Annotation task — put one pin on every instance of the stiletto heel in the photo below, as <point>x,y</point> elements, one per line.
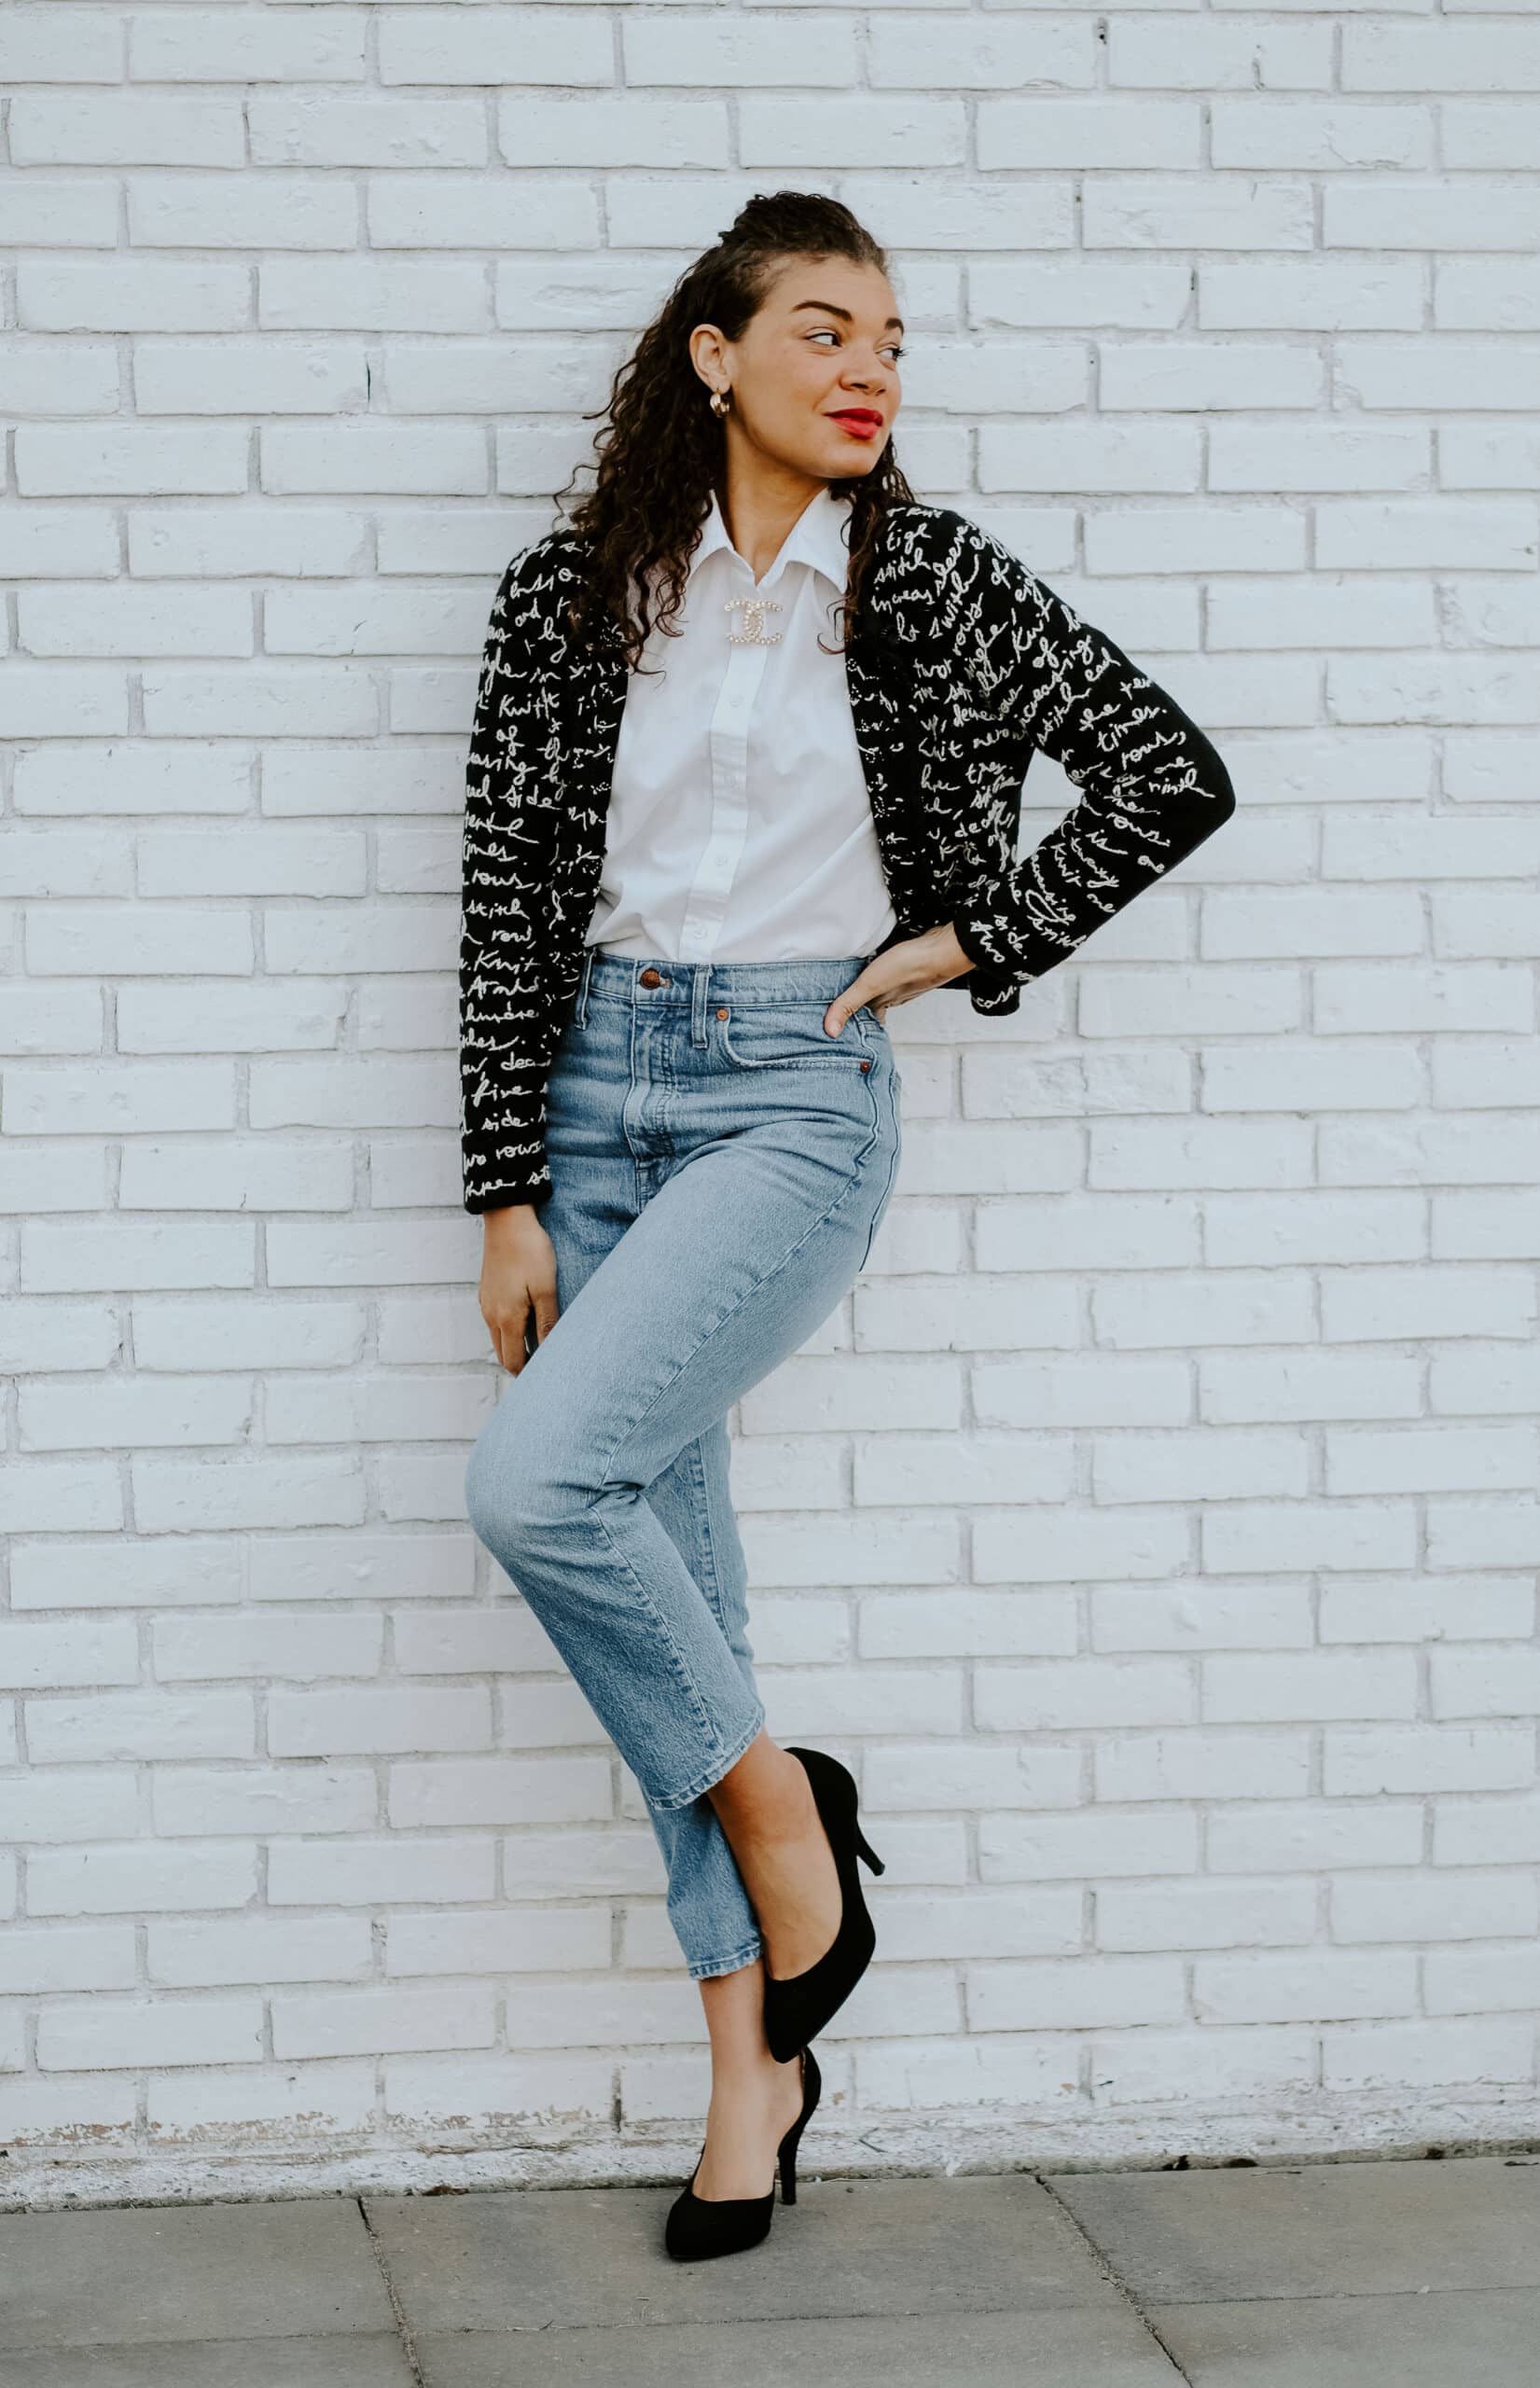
<point>699,2227</point>
<point>864,1845</point>
<point>785,2154</point>
<point>797,2008</point>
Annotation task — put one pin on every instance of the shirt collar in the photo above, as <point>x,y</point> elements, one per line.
<point>817,538</point>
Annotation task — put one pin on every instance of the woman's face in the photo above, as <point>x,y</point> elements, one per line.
<point>823,346</point>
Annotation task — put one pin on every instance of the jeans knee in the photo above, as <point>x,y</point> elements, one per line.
<point>517,1490</point>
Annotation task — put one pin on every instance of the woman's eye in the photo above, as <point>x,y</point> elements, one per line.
<point>826,334</point>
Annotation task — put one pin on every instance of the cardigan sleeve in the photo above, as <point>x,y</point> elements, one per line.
<point>1152,787</point>
<point>505,1008</point>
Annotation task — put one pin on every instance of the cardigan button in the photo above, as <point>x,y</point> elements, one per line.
<point>651,978</point>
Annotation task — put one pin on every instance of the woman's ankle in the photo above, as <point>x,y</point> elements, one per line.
<point>766,1797</point>
<point>743,2071</point>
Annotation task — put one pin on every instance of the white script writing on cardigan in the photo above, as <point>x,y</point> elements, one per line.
<point>962,664</point>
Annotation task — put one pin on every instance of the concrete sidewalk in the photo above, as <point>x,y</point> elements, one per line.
<point>1338,2275</point>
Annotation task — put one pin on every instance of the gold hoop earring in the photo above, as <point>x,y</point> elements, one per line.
<point>719,403</point>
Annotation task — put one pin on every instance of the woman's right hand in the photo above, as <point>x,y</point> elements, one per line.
<point>518,1281</point>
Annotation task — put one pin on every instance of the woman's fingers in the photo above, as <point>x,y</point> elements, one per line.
<point>510,1329</point>
<point>545,1312</point>
<point>517,1288</point>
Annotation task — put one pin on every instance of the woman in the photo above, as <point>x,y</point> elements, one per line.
<point>705,853</point>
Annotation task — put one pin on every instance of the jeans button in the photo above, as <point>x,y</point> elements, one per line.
<point>651,978</point>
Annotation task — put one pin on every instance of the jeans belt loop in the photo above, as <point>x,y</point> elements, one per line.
<point>700,992</point>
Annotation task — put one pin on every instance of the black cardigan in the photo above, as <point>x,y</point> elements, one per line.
<point>963,663</point>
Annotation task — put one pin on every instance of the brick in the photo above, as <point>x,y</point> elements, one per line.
<point>113,2032</point>
<point>1074,1993</point>
<point>1303,1985</point>
<point>1094,1843</point>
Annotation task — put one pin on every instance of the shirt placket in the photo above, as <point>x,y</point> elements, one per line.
<point>728,742</point>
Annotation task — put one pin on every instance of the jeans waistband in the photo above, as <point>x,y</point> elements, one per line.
<point>619,978</point>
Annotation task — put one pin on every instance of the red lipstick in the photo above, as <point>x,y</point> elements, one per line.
<point>862,422</point>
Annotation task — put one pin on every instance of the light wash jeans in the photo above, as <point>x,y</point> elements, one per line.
<point>719,1167</point>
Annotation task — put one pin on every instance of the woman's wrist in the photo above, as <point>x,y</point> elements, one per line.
<point>954,957</point>
<point>497,1222</point>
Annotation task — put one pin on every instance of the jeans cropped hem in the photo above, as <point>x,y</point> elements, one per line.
<point>707,1968</point>
<point>715,1771</point>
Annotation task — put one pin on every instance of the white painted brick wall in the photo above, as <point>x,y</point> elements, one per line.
<point>1156,1525</point>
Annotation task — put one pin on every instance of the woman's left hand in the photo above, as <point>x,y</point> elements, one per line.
<point>900,973</point>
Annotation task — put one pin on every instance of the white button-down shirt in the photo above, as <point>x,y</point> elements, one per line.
<point>740,827</point>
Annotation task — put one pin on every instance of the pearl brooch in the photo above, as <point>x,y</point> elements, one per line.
<point>755,610</point>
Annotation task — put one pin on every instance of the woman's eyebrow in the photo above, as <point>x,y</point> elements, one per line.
<point>895,323</point>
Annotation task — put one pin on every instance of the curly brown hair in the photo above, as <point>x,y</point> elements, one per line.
<point>661,454</point>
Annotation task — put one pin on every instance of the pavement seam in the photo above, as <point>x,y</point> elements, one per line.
<point>402,2328</point>
<point>1112,2279</point>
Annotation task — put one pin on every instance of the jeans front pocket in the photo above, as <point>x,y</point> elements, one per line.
<point>792,1036</point>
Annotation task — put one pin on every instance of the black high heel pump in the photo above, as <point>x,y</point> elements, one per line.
<point>796,2008</point>
<point>721,2226</point>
